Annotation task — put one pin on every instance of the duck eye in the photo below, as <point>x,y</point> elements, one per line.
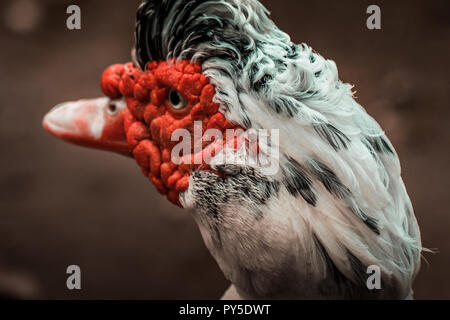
<point>176,100</point>
<point>112,108</point>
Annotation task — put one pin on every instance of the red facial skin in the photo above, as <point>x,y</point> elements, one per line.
<point>149,119</point>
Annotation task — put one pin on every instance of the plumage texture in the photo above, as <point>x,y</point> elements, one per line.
<point>337,204</point>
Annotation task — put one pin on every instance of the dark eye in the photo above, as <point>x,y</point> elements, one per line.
<point>112,108</point>
<point>176,100</point>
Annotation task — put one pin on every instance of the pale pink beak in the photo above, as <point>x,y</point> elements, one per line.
<point>95,123</point>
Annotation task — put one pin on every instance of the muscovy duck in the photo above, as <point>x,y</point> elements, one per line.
<point>310,229</point>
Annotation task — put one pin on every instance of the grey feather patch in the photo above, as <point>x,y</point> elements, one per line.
<point>244,186</point>
<point>332,270</point>
<point>262,83</point>
<point>258,81</point>
<point>179,28</point>
<point>329,179</point>
<point>353,286</point>
<point>336,138</point>
<point>286,105</point>
<point>334,185</point>
<point>358,268</point>
<point>371,222</point>
<point>247,123</point>
<point>297,182</point>
<point>380,145</point>
<point>229,169</point>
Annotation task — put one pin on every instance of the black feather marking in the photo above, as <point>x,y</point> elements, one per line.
<point>270,188</point>
<point>351,288</point>
<point>380,144</point>
<point>297,182</point>
<point>244,186</point>
<point>336,138</point>
<point>254,69</point>
<point>229,169</point>
<point>334,185</point>
<point>370,222</point>
<point>246,122</point>
<point>312,92</point>
<point>329,179</point>
<point>333,271</point>
<point>209,195</point>
<point>185,27</point>
<point>223,93</point>
<point>359,269</point>
<point>251,184</point>
<point>286,105</point>
<point>293,51</point>
<point>261,83</point>
<point>213,210</point>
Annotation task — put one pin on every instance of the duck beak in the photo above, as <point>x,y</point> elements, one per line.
<point>95,123</point>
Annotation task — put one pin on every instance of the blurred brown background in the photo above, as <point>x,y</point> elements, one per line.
<point>63,205</point>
